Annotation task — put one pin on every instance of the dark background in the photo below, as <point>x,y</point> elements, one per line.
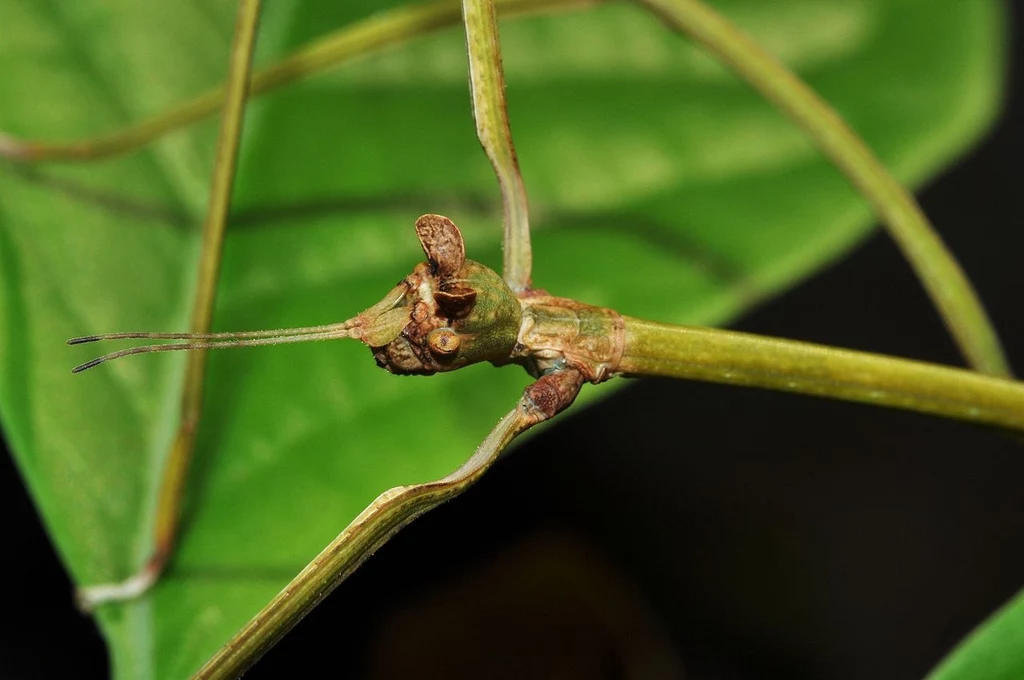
<point>730,532</point>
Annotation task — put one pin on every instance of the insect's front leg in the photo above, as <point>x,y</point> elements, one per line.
<point>390,512</point>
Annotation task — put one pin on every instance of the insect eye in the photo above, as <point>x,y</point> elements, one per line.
<point>443,341</point>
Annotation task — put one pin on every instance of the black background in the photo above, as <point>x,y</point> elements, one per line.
<point>760,535</point>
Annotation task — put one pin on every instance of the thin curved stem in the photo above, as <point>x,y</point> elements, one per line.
<point>938,270</point>
<point>172,484</point>
<point>379,32</point>
<point>487,86</point>
<point>721,356</point>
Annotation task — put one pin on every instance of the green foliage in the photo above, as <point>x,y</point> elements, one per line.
<point>659,184</point>
<point>992,652</point>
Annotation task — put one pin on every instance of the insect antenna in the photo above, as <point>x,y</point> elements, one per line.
<point>202,341</point>
<point>243,335</point>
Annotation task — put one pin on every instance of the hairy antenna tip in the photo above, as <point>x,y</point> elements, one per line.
<point>87,365</point>
<point>84,339</point>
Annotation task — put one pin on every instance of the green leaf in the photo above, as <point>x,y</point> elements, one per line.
<point>992,651</point>
<point>659,184</point>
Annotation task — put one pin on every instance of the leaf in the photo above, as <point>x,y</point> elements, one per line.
<point>992,651</point>
<point>659,185</point>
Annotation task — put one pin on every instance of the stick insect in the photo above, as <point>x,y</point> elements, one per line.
<point>559,372</point>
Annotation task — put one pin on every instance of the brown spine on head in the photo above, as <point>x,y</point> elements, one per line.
<point>442,242</point>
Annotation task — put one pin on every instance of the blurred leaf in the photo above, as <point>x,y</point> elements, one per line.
<point>660,186</point>
<point>994,651</point>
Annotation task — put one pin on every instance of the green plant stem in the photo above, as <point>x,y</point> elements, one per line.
<point>938,270</point>
<point>391,511</point>
<point>381,31</point>
<point>214,227</point>
<point>175,472</point>
<point>715,355</point>
<point>487,86</point>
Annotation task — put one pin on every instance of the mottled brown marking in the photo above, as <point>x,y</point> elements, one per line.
<point>455,304</point>
<point>400,356</point>
<point>420,312</point>
<point>563,332</point>
<point>443,244</point>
